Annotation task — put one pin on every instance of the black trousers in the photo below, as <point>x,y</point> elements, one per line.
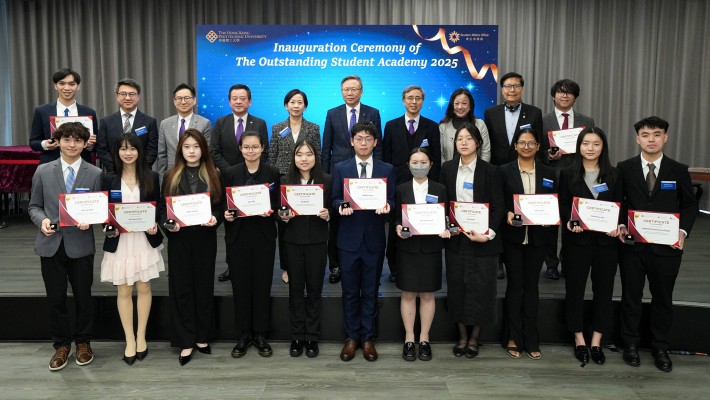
<point>305,274</point>
<point>661,272</point>
<point>79,272</point>
<point>191,257</point>
<point>602,261</point>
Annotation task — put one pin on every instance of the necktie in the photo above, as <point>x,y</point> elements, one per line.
<point>363,169</point>
<point>182,128</point>
<point>411,127</point>
<point>70,179</point>
<point>651,177</point>
<point>66,112</point>
<point>565,123</point>
<point>353,119</point>
<point>127,124</point>
<point>240,129</point>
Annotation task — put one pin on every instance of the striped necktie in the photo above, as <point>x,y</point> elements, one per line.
<point>70,179</point>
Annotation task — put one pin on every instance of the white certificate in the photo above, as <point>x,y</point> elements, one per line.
<point>302,199</point>
<point>132,217</point>
<point>189,209</point>
<point>424,219</point>
<point>596,215</point>
<point>654,227</point>
<point>365,194</point>
<point>470,217</point>
<point>565,139</point>
<point>249,200</point>
<point>83,208</point>
<point>56,122</point>
<point>537,209</point>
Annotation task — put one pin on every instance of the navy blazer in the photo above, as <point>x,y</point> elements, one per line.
<point>502,151</point>
<point>513,184</point>
<point>223,140</point>
<point>396,147</point>
<point>570,188</point>
<point>364,225</point>
<point>487,188</point>
<point>679,200</point>
<point>423,243</point>
<point>41,131</point>
<point>309,229</point>
<point>336,135</point>
<point>111,128</point>
<point>113,182</point>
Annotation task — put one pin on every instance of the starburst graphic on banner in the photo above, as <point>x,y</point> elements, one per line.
<point>454,37</point>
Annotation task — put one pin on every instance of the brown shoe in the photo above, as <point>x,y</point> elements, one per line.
<point>59,360</point>
<point>369,351</point>
<point>349,349</point>
<point>83,355</point>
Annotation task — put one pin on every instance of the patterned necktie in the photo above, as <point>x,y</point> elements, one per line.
<point>363,169</point>
<point>650,177</point>
<point>66,112</point>
<point>411,127</point>
<point>70,179</point>
<point>353,119</point>
<point>240,129</point>
<point>127,124</point>
<point>565,123</point>
<point>182,128</point>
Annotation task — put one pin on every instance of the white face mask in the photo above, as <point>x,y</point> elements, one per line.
<point>419,170</point>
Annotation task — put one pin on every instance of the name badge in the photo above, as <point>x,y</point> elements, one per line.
<point>116,195</point>
<point>526,126</point>
<point>667,185</point>
<point>468,185</point>
<point>430,198</point>
<point>547,183</point>
<point>285,132</point>
<point>141,131</point>
<point>600,188</point>
<point>425,143</point>
<point>81,190</point>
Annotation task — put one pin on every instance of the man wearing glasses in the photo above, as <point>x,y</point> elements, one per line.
<point>172,128</point>
<point>127,119</point>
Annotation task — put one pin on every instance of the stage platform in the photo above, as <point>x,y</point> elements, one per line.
<point>23,305</point>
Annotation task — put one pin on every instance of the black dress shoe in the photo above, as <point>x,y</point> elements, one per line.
<point>184,359</point>
<point>224,276</point>
<point>312,349</point>
<point>296,348</point>
<point>501,271</point>
<point>663,362</point>
<point>552,273</point>
<point>334,275</point>
<point>204,350</point>
<point>424,351</point>
<point>471,350</point>
<point>393,277</point>
<point>459,351</point>
<point>582,354</point>
<point>631,355</point>
<point>240,348</point>
<point>262,346</point>
<point>129,360</point>
<point>598,355</point>
<point>409,351</point>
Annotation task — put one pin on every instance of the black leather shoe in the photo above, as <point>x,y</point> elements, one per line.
<point>663,362</point>
<point>424,351</point>
<point>393,277</point>
<point>552,273</point>
<point>184,359</point>
<point>241,347</point>
<point>471,350</point>
<point>501,271</point>
<point>582,354</point>
<point>312,349</point>
<point>129,360</point>
<point>334,275</point>
<point>409,352</point>
<point>459,351</point>
<point>598,355</point>
<point>631,355</point>
<point>296,348</point>
<point>142,354</point>
<point>204,350</point>
<point>262,346</point>
<point>224,276</point>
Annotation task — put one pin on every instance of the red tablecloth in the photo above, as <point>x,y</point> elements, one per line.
<point>17,165</point>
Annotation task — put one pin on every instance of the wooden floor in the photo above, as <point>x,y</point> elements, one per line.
<point>492,375</point>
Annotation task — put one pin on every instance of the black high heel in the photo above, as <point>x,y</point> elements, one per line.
<point>142,354</point>
<point>129,360</point>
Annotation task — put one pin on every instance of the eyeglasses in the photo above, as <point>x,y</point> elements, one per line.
<point>127,94</point>
<point>565,94</point>
<point>414,98</point>
<point>251,148</point>
<point>511,87</point>
<point>526,144</point>
<point>365,139</point>
<point>350,90</point>
<point>185,99</point>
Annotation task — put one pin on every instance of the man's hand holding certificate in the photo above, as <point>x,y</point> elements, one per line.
<point>302,199</point>
<point>537,209</point>
<point>565,140</point>
<point>365,194</point>
<point>249,200</point>
<point>655,227</point>
<point>595,215</point>
<point>132,217</point>
<point>189,209</point>
<point>424,219</point>
<point>83,208</point>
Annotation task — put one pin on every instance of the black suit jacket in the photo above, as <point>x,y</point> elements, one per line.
<point>502,151</point>
<point>550,123</point>
<point>679,200</point>
<point>111,128</point>
<point>113,182</point>
<point>513,184</point>
<point>396,147</point>
<point>570,188</point>
<point>310,229</point>
<point>41,130</point>
<point>336,135</point>
<point>424,243</point>
<point>223,141</point>
<point>266,227</point>
<point>184,188</point>
<point>487,188</point>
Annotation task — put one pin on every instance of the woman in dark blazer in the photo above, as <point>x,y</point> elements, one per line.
<point>419,256</point>
<point>306,239</point>
<point>251,248</point>
<point>590,176</point>
<point>524,246</point>
<point>192,250</point>
<point>132,258</point>
<point>472,257</point>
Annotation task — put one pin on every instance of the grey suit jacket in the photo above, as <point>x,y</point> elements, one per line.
<point>47,184</point>
<point>168,138</point>
<point>281,148</point>
<point>549,123</point>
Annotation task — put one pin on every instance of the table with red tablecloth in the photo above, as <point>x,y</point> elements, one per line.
<point>17,166</point>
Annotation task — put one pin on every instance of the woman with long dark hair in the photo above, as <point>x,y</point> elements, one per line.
<point>458,112</point>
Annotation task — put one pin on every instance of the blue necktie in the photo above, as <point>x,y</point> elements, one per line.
<point>70,179</point>
<point>66,112</point>
<point>182,128</point>
<point>353,119</point>
<point>411,127</point>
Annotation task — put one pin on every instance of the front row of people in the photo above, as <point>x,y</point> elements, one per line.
<point>651,182</point>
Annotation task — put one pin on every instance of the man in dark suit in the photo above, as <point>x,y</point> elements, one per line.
<point>653,182</point>
<point>337,147</point>
<point>564,94</point>
<point>127,119</point>
<point>361,243</point>
<point>224,138</point>
<point>67,84</point>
